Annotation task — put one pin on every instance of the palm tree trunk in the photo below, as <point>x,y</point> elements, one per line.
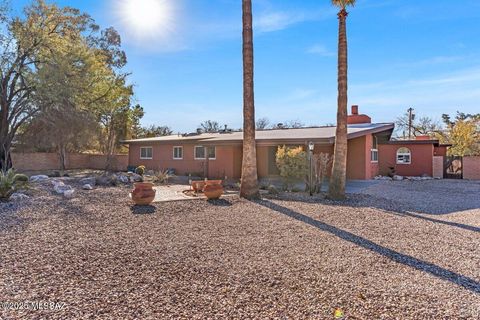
<point>249,184</point>
<point>339,170</point>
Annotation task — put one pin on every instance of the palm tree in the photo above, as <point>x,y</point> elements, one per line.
<point>339,170</point>
<point>249,185</point>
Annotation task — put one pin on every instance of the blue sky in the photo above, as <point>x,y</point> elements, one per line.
<point>402,53</point>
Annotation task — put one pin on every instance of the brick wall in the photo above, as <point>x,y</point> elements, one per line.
<point>471,168</point>
<point>49,161</point>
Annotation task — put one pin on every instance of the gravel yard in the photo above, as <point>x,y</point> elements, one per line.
<point>399,250</point>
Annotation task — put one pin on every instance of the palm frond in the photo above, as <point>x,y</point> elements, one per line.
<point>342,4</point>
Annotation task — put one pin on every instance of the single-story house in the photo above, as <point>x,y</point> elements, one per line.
<point>370,150</point>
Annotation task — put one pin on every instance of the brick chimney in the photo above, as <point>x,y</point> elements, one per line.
<point>356,118</point>
<point>354,109</point>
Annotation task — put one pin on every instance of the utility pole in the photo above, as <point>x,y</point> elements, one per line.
<point>411,117</point>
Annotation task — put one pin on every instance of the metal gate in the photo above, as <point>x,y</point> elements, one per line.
<point>453,167</point>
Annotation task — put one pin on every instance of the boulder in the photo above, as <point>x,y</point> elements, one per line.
<point>136,178</point>
<point>68,193</point>
<point>123,178</point>
<point>88,180</point>
<point>60,187</point>
<point>87,187</point>
<point>383,178</point>
<point>39,178</point>
<point>17,196</point>
<point>397,178</point>
<point>103,180</point>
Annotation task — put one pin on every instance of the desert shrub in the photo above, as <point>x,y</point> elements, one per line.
<point>11,182</point>
<point>273,190</point>
<point>163,176</point>
<point>292,163</point>
<point>140,170</point>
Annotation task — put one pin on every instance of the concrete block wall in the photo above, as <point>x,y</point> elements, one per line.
<point>471,168</point>
<point>49,161</point>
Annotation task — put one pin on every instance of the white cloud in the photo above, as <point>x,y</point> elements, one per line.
<point>320,50</point>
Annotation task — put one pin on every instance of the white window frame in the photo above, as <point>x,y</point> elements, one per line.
<point>409,153</point>
<point>205,152</point>
<point>371,155</point>
<point>146,158</point>
<point>177,147</point>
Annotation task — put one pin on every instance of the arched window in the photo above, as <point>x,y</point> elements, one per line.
<point>404,156</point>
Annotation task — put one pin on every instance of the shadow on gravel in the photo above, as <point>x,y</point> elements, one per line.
<point>448,223</point>
<point>437,271</point>
<point>386,205</point>
<point>220,202</point>
<point>136,209</point>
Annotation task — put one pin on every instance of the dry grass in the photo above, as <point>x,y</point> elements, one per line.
<point>276,258</point>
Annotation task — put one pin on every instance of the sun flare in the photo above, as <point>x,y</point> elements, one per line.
<point>147,18</point>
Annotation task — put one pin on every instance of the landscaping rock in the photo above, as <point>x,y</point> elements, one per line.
<point>17,196</point>
<point>69,193</point>
<point>39,178</point>
<point>397,178</point>
<point>136,178</point>
<point>89,180</point>
<point>123,178</point>
<point>60,187</point>
<point>87,187</point>
<point>383,178</point>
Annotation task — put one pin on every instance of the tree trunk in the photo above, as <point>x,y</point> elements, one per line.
<point>62,153</point>
<point>339,170</point>
<point>249,183</point>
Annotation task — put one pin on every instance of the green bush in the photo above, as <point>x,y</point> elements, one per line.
<point>292,163</point>
<point>140,170</point>
<point>10,182</point>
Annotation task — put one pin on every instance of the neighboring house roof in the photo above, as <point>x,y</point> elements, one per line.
<point>436,143</point>
<point>318,134</point>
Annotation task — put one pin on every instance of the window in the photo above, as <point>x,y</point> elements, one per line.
<point>177,153</point>
<point>374,155</point>
<point>146,153</point>
<point>200,152</point>
<point>404,156</point>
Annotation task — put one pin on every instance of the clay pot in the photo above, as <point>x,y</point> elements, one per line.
<point>213,191</point>
<point>197,186</point>
<point>143,194</point>
<point>212,182</point>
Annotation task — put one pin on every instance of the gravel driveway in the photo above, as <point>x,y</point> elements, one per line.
<point>373,256</point>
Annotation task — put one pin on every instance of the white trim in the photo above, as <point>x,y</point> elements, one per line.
<point>371,160</point>
<point>173,153</point>
<point>195,152</point>
<point>409,154</point>
<point>205,148</point>
<point>146,158</point>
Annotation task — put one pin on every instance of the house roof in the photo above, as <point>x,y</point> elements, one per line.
<point>316,134</point>
<point>436,143</point>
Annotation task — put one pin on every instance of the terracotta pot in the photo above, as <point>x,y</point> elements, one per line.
<point>197,186</point>
<point>143,194</point>
<point>213,191</point>
<point>213,182</point>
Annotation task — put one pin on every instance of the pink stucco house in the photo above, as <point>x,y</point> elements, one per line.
<point>370,151</point>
